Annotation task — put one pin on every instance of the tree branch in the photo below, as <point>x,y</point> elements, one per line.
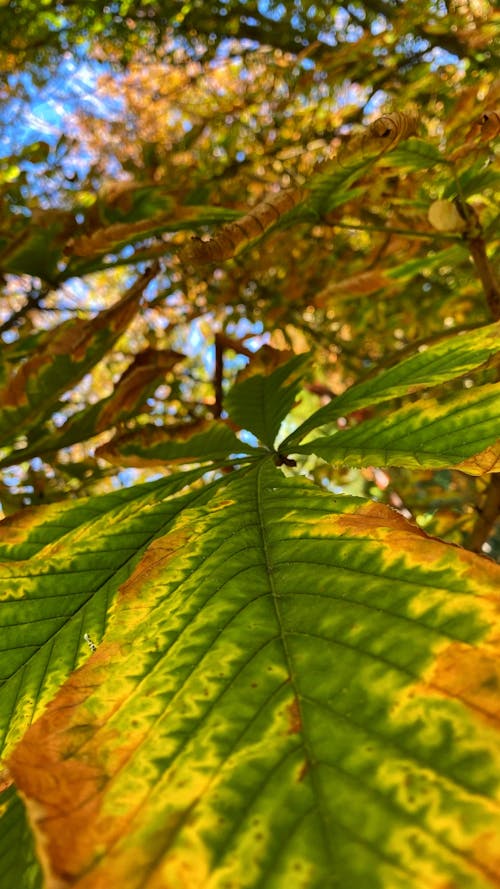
<point>218,376</point>
<point>487,516</point>
<point>490,284</point>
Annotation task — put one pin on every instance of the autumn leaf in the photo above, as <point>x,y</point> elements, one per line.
<point>61,358</point>
<point>256,732</point>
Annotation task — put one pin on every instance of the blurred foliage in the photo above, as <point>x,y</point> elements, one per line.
<point>205,110</point>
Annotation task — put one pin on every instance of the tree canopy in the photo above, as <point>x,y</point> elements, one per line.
<point>249,444</point>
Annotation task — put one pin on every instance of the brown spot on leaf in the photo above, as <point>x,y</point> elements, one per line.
<point>294,720</point>
<point>16,528</point>
<point>486,850</point>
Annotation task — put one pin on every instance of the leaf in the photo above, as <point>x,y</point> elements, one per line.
<point>260,402</point>
<point>233,236</point>
<point>142,377</point>
<point>451,256</point>
<point>426,433</point>
<point>30,530</point>
<point>295,689</point>
<point>355,285</point>
<point>333,187</point>
<point>452,357</point>
<point>115,237</point>
<point>36,248</point>
<point>475,179</point>
<point>200,441</point>
<point>483,462</point>
<point>328,190</point>
<point>20,866</point>
<point>416,154</point>
<point>49,602</point>
<point>62,357</point>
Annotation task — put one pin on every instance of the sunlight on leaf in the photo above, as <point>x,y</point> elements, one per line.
<point>231,730</point>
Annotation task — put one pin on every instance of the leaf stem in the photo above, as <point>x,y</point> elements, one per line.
<point>394,231</point>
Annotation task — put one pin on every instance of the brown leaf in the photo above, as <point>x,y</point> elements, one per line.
<point>264,362</point>
<point>231,236</point>
<point>107,239</point>
<point>145,373</point>
<point>355,285</point>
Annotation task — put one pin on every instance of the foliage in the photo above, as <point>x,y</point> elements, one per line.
<point>249,307</point>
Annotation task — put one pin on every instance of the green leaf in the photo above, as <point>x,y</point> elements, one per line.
<point>261,402</point>
<point>450,358</point>
<point>295,689</point>
<point>49,602</point>
<point>426,433</point>
<point>30,530</point>
<point>416,154</point>
<point>477,178</point>
<point>200,441</point>
<point>333,187</point>
<point>451,256</point>
<point>20,866</point>
<point>36,248</point>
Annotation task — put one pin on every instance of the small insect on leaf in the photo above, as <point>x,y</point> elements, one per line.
<point>235,234</point>
<point>88,640</point>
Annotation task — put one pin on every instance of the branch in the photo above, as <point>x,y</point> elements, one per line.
<point>490,511</point>
<point>474,238</point>
<point>32,302</point>
<point>487,516</point>
<point>218,376</point>
<point>490,284</point>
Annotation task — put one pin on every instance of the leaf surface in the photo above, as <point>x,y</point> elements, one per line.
<point>426,433</point>
<point>263,398</point>
<point>20,867</point>
<point>294,690</point>
<point>453,357</point>
<point>200,441</point>
<point>48,602</point>
<point>416,154</point>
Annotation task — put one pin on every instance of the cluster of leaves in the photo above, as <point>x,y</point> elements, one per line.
<point>226,676</point>
<point>275,664</point>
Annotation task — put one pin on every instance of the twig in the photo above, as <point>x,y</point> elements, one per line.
<point>487,515</point>
<point>490,511</point>
<point>32,302</point>
<point>490,284</point>
<point>218,376</point>
<point>411,233</point>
